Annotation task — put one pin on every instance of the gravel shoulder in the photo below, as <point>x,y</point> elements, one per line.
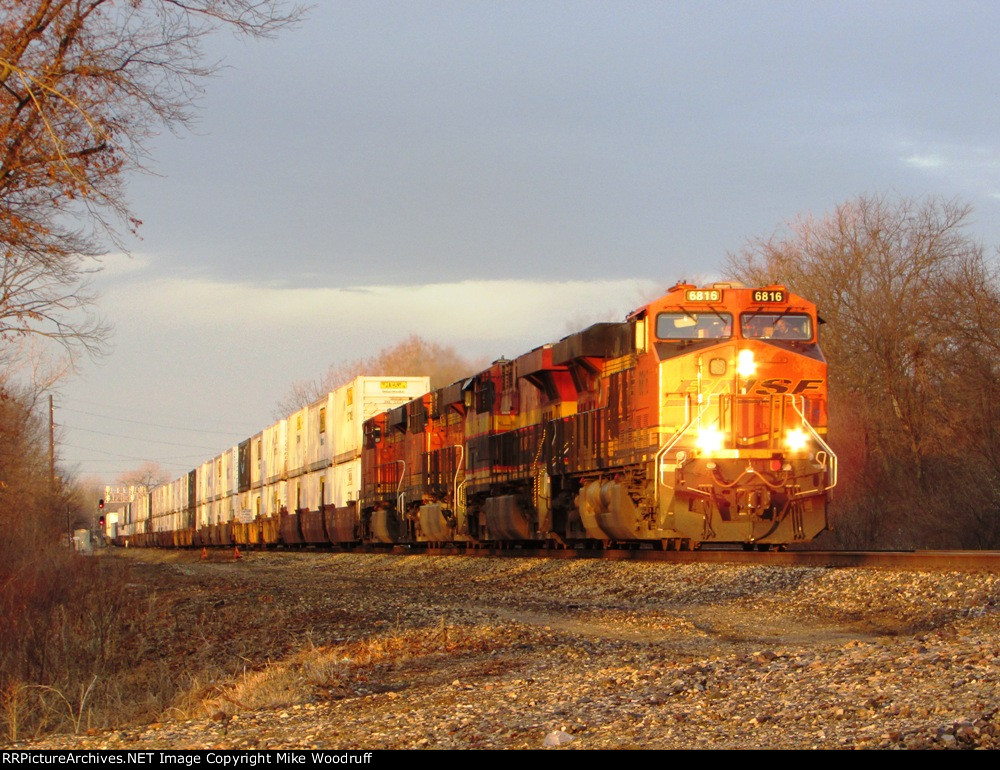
<point>321,650</point>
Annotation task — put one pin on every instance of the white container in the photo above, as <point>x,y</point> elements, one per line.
<point>319,435</point>
<point>274,498</point>
<point>274,447</point>
<point>346,482</point>
<point>365,397</point>
<point>297,438</point>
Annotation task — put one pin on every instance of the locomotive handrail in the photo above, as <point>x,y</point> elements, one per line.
<point>830,462</point>
<point>381,484</point>
<point>400,494</point>
<point>662,452</point>
<point>458,469</point>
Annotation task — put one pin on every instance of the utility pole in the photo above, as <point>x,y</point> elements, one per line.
<point>52,447</point>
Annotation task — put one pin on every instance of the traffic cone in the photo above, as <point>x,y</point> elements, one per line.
<point>236,553</point>
<point>204,553</point>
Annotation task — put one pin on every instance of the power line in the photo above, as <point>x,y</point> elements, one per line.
<point>118,408</point>
<point>165,460</point>
<point>150,424</point>
<point>143,438</point>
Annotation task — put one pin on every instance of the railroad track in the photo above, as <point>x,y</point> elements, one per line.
<point>986,561</point>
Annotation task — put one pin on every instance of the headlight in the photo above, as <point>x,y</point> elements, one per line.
<point>745,365</point>
<point>796,439</point>
<point>709,440</point>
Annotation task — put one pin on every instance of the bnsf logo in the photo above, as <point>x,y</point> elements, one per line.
<point>769,387</point>
<point>778,385</point>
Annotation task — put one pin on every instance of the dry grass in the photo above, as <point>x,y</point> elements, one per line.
<point>127,640</point>
<point>331,672</point>
<point>73,629</point>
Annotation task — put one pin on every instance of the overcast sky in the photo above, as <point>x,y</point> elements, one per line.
<point>496,175</point>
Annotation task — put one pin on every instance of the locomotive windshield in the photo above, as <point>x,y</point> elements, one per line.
<point>694,326</point>
<point>775,326</point>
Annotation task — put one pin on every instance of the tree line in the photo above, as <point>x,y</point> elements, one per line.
<point>84,85</point>
<point>910,302</point>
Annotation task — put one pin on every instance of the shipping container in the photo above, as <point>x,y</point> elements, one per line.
<point>365,397</point>
<point>319,435</point>
<point>296,438</point>
<point>274,447</point>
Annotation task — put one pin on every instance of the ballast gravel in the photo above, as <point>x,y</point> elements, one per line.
<point>453,652</point>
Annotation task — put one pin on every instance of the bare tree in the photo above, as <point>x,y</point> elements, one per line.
<point>910,301</point>
<point>83,85</point>
<point>147,477</point>
<point>83,494</point>
<point>414,356</point>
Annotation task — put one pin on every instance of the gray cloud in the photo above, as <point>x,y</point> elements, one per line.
<point>386,145</point>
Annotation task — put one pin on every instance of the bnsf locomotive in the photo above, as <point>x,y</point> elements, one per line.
<point>699,419</point>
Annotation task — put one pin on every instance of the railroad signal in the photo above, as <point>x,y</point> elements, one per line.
<point>100,504</point>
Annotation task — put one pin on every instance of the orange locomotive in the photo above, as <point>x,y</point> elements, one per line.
<point>700,418</point>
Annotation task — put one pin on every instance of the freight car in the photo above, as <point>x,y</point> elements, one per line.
<point>698,419</point>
